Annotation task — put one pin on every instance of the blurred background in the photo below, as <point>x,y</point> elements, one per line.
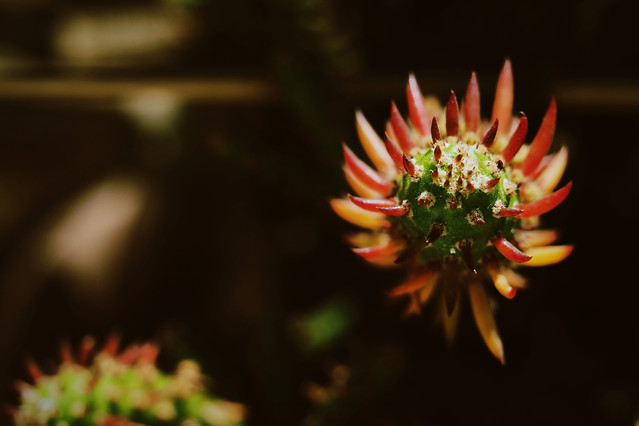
<point>165,168</point>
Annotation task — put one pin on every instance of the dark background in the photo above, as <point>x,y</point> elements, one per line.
<point>235,258</point>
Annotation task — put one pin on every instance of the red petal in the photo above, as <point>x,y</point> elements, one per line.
<point>542,141</point>
<point>365,173</point>
<point>503,106</point>
<point>416,106</point>
<point>379,250</point>
<point>394,151</point>
<point>509,251</point>
<point>395,210</point>
<point>489,137</point>
<point>371,204</point>
<point>545,204</point>
<point>401,130</point>
<point>452,115</point>
<point>516,140</point>
<point>471,104</point>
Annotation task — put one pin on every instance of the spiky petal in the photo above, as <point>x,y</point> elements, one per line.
<point>358,186</point>
<point>384,249</point>
<point>471,105</point>
<point>416,107</point>
<point>545,204</point>
<point>373,145</point>
<point>484,319</point>
<point>365,173</point>
<point>394,151</point>
<point>548,255</point>
<point>371,204</point>
<point>489,137</point>
<point>542,141</point>
<point>509,251</point>
<point>503,106</point>
<point>413,284</point>
<point>552,173</point>
<point>401,130</point>
<point>452,115</point>
<point>516,140</point>
<point>355,215</point>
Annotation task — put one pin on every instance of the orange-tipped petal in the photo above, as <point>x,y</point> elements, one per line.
<point>516,140</point>
<point>541,143</point>
<point>550,177</point>
<point>401,130</point>
<point>365,173</point>
<point>385,249</point>
<point>503,106</point>
<point>355,215</point>
<point>546,203</point>
<point>548,255</point>
<point>514,278</point>
<point>371,204</point>
<point>373,145</point>
<point>501,281</point>
<point>485,320</point>
<point>509,251</point>
<point>416,106</point>
<point>452,115</point>
<point>471,105</point>
<point>536,238</point>
<point>413,284</point>
<point>358,186</point>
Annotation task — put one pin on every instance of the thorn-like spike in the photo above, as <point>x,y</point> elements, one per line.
<point>434,128</point>
<point>365,173</point>
<point>484,318</point>
<point>401,130</point>
<point>503,106</point>
<point>32,368</point>
<point>509,212</point>
<point>437,153</point>
<point>413,284</point>
<point>451,284</point>
<point>416,107</point>
<point>357,216</point>
<point>373,145</point>
<point>552,173</point>
<point>542,141</point>
<point>384,249</point>
<point>489,137</point>
<point>371,204</point>
<point>471,105</point>
<point>516,140</point>
<point>491,183</point>
<point>408,165</point>
<point>436,231</point>
<point>509,251</point>
<point>394,151</point>
<point>546,203</point>
<point>452,116</point>
<point>401,210</point>
<point>466,248</point>
<point>548,255</point>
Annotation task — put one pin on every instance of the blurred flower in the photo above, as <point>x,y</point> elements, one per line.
<point>120,388</point>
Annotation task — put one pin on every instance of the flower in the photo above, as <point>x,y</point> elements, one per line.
<point>120,388</point>
<point>456,199</point>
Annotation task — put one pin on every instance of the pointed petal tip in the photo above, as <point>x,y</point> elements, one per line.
<point>545,204</point>
<point>548,255</point>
